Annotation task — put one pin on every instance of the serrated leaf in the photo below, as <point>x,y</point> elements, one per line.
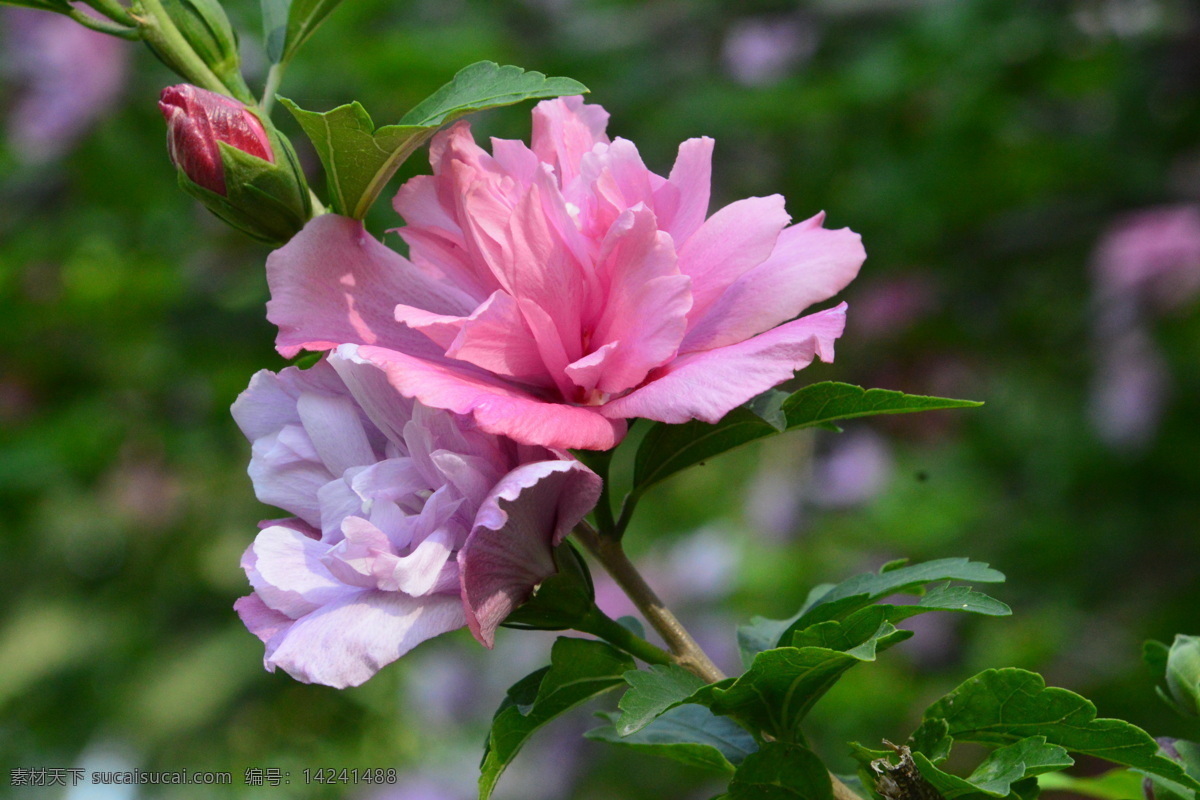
<point>1001,706</point>
<point>999,771</point>
<point>651,692</point>
<point>579,670</point>
<point>359,158</point>
<point>838,601</point>
<point>667,449</point>
<point>689,734</point>
<point>781,771</point>
<point>782,685</point>
<point>486,84</point>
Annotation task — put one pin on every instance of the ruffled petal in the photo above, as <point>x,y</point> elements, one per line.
<point>509,550</point>
<point>497,407</point>
<point>809,264</point>
<point>346,642</point>
<point>287,572</point>
<point>732,241</point>
<point>334,283</point>
<point>710,384</point>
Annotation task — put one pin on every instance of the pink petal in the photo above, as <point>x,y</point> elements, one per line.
<point>333,283</point>
<point>497,407</point>
<point>509,551</point>
<point>710,384</point>
<point>563,130</point>
<point>691,178</point>
<point>497,338</point>
<point>348,641</point>
<point>732,241</point>
<point>809,264</point>
<point>646,312</point>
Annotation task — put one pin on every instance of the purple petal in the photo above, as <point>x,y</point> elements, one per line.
<point>510,549</point>
<point>349,640</point>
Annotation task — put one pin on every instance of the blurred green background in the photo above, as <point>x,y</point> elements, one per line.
<point>1025,176</point>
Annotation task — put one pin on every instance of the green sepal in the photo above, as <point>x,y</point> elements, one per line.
<point>1183,674</point>
<point>269,202</point>
<point>561,602</point>
<point>206,28</point>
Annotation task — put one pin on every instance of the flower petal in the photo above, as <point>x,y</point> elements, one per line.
<point>510,549</point>
<point>497,407</point>
<point>287,572</point>
<point>349,640</point>
<point>334,283</point>
<point>732,241</point>
<point>809,264</point>
<point>710,384</point>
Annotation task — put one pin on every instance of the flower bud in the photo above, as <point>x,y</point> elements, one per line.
<point>196,120</point>
<point>1183,674</point>
<point>237,165</point>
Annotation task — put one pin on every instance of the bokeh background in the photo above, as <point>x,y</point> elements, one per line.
<point>1026,177</point>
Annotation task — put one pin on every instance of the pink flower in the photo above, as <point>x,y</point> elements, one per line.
<point>196,120</point>
<point>557,291</point>
<point>409,522</point>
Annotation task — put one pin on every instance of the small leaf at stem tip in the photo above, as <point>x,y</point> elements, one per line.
<point>667,449</point>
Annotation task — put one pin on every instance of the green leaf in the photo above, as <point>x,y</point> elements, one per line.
<point>781,771</point>
<point>287,24</point>
<point>651,692</point>
<point>841,600</point>
<point>782,685</point>
<point>999,771</point>
<point>1002,706</point>
<point>360,158</point>
<point>1116,784</point>
<point>690,734</point>
<point>579,670</point>
<point>486,84</point>
<point>667,449</point>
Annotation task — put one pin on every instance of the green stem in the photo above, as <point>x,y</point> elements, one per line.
<point>114,11</point>
<point>600,624</point>
<point>686,653</point>
<point>274,78</point>
<point>158,28</point>
<point>104,26</point>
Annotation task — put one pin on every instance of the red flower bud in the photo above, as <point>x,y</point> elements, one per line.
<point>196,120</point>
